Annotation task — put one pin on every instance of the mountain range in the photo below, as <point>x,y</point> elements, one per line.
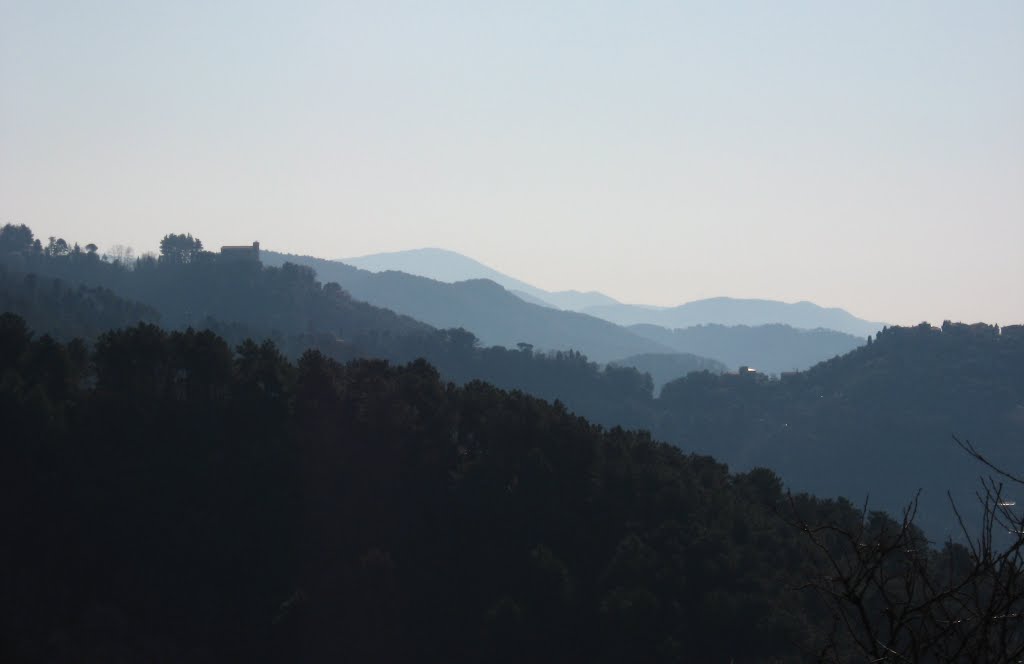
<point>498,316</point>
<point>733,311</point>
<point>449,266</point>
<point>495,315</point>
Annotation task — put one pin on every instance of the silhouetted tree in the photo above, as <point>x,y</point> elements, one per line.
<point>57,246</point>
<point>16,239</point>
<point>893,598</point>
<point>180,249</point>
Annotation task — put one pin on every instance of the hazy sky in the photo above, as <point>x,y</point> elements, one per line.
<point>868,155</point>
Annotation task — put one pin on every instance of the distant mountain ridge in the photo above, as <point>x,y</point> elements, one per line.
<point>481,306</point>
<point>500,317</point>
<point>733,311</point>
<point>771,349</point>
<point>440,265</point>
<point>449,266</point>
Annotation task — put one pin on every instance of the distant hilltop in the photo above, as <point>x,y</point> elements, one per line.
<point>733,311</point>
<point>449,266</point>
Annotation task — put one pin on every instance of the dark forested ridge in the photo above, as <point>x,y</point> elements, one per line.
<point>876,421</point>
<point>68,311</point>
<point>165,498</point>
<point>189,289</point>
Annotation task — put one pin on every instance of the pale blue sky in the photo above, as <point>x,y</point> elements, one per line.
<point>868,155</point>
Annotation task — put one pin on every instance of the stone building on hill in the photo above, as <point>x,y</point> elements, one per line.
<point>241,253</point>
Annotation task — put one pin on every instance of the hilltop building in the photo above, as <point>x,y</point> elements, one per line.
<point>241,253</point>
<point>1013,332</point>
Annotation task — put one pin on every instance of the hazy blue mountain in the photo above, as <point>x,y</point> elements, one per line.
<point>526,297</point>
<point>666,367</point>
<point>450,267</point>
<point>732,311</point>
<point>441,265</point>
<point>769,348</point>
<point>578,300</point>
<point>481,306</point>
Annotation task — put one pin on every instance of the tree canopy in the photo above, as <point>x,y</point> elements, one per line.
<point>181,248</point>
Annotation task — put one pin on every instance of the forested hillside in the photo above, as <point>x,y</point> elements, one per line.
<point>165,498</point>
<point>66,311</point>
<point>876,421</point>
<point>188,286</point>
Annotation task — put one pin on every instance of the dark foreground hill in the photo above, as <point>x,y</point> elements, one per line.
<point>167,499</point>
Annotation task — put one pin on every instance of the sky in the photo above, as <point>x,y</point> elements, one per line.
<point>867,155</point>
